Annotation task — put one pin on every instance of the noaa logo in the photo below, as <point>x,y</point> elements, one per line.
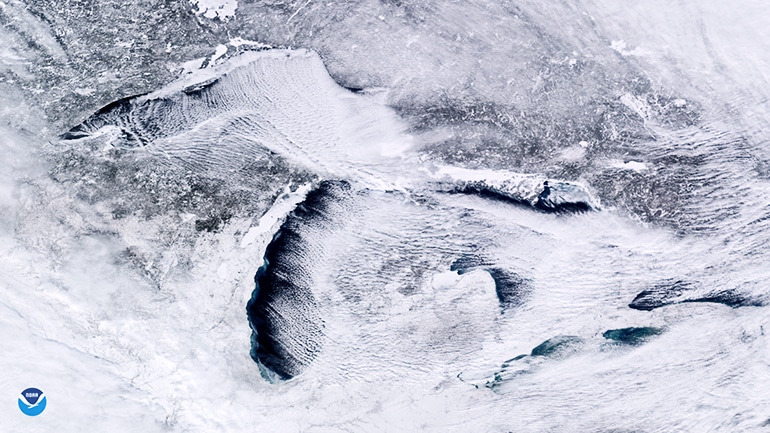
<point>32,402</point>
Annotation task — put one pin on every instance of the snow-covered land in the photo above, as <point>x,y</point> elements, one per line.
<point>367,216</point>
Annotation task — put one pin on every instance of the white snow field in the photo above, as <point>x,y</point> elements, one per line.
<point>130,235</point>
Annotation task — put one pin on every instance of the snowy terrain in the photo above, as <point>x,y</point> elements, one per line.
<point>477,216</point>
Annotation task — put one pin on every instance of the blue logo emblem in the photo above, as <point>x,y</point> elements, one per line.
<point>32,402</point>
